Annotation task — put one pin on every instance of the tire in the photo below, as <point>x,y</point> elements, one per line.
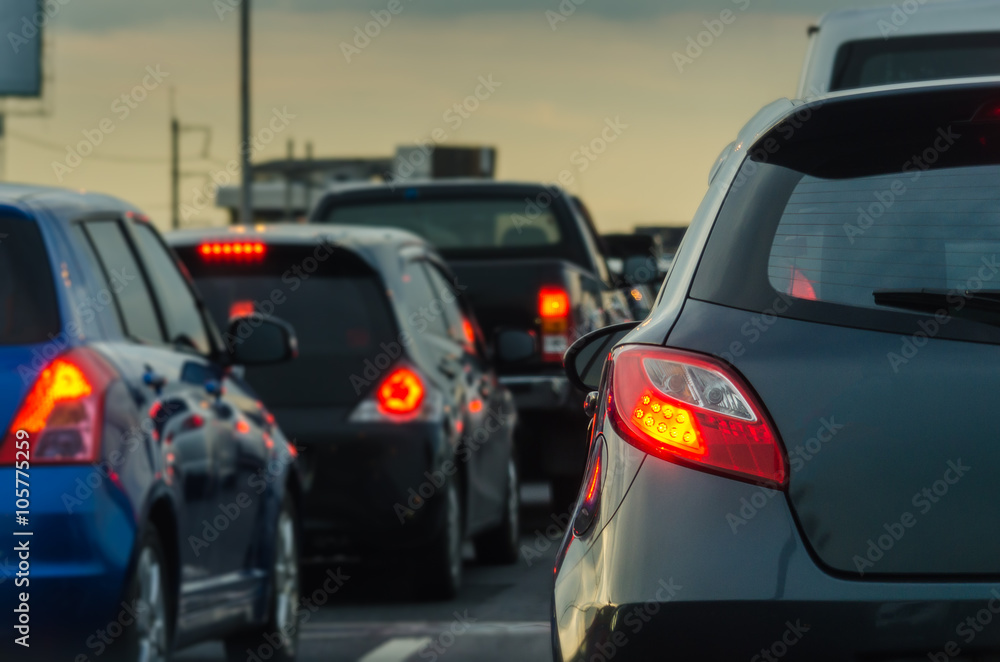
<point>284,602</point>
<point>148,637</point>
<point>499,546</point>
<point>440,575</point>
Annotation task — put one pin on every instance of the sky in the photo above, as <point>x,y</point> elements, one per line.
<point>559,73</point>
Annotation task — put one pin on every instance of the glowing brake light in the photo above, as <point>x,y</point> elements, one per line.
<point>553,303</point>
<point>402,392</point>
<point>229,250</point>
<point>241,309</point>
<point>694,411</point>
<point>62,413</point>
<point>554,309</point>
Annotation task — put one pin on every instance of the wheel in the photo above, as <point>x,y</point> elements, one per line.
<point>440,576</point>
<point>280,634</point>
<point>147,637</point>
<point>499,545</point>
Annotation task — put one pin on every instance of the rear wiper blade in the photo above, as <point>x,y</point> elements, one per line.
<point>937,300</point>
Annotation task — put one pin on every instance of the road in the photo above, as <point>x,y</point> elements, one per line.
<point>501,614</point>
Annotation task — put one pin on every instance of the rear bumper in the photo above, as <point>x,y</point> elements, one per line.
<point>680,567</point>
<point>374,488</point>
<point>83,532</point>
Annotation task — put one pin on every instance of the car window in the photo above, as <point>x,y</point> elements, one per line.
<point>423,303</point>
<point>839,240</point>
<point>185,325</point>
<point>29,312</point>
<point>459,323</point>
<point>343,320</point>
<point>463,224</point>
<point>127,282</point>
<point>871,62</point>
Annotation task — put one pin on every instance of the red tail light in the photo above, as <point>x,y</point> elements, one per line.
<point>232,250</point>
<point>554,309</point>
<point>801,287</point>
<point>241,309</point>
<point>62,413</point>
<point>695,411</point>
<point>401,393</point>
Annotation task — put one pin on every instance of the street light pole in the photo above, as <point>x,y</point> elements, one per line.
<point>246,192</point>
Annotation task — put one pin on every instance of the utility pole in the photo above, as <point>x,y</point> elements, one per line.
<point>288,181</point>
<point>175,173</point>
<point>246,193</point>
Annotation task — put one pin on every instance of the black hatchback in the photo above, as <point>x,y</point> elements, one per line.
<point>405,432</point>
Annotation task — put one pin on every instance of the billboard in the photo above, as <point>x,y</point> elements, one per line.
<point>21,25</point>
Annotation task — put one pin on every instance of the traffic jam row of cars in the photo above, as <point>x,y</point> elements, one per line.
<point>792,445</point>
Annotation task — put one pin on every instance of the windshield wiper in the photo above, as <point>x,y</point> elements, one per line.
<point>979,305</point>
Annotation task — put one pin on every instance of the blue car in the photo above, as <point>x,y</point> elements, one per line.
<point>795,456</point>
<point>149,500</point>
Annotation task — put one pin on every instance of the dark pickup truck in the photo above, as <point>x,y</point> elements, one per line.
<point>528,257</point>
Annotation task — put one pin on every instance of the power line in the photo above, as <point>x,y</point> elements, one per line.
<point>38,142</point>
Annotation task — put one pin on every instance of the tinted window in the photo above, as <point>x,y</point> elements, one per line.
<point>29,311</point>
<point>340,313</point>
<point>134,298</point>
<point>422,302</point>
<point>184,322</point>
<point>911,59</point>
<point>461,224</point>
<point>864,198</point>
<point>840,240</point>
<point>449,301</point>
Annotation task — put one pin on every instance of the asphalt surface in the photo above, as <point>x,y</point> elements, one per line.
<point>372,614</point>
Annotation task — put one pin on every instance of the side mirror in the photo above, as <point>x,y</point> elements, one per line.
<point>513,346</point>
<point>585,358</point>
<point>260,340</point>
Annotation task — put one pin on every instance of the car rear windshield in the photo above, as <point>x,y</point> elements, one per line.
<point>497,224</point>
<point>912,59</point>
<point>337,305</point>
<point>814,225</point>
<point>29,311</point>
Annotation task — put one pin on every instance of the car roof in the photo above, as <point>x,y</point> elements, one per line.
<point>376,245</point>
<point>777,111</point>
<point>891,22</point>
<point>63,203</point>
<point>463,185</point>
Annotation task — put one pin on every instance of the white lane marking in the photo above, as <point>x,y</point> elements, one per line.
<point>396,650</point>
<point>412,629</point>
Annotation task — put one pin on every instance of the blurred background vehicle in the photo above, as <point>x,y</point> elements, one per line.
<point>149,474</point>
<point>760,441</point>
<point>406,435</point>
<point>528,261</point>
<point>902,43</point>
